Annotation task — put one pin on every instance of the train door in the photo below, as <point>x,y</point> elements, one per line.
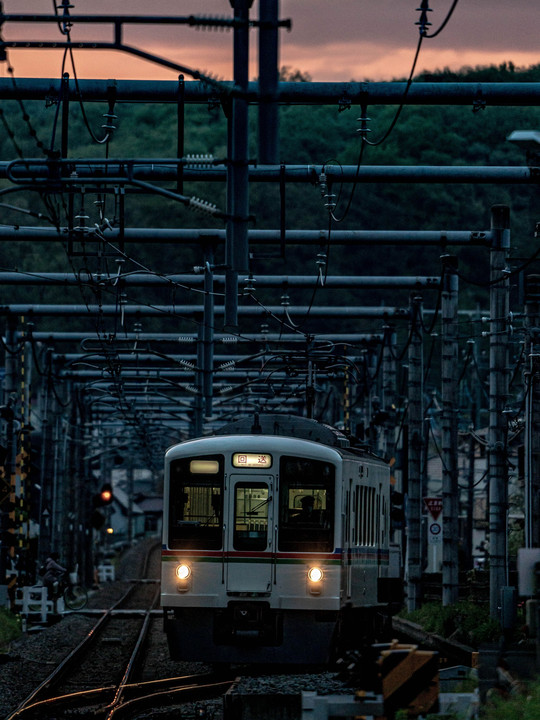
<point>249,538</point>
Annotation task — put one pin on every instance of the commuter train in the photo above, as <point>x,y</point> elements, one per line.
<point>276,545</point>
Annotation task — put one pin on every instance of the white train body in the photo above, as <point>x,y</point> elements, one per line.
<point>247,574</point>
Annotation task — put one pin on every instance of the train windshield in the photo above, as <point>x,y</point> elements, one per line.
<point>251,501</point>
<point>306,505</point>
<point>196,503</point>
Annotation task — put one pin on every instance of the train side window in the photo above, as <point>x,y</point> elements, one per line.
<point>251,502</point>
<point>355,517</point>
<point>368,515</point>
<point>196,503</point>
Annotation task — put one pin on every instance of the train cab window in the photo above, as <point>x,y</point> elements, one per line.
<point>251,502</point>
<point>306,505</point>
<point>196,503</point>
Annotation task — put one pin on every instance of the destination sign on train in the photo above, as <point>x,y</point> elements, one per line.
<point>252,460</point>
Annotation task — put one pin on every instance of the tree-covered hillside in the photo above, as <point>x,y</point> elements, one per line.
<point>430,135</point>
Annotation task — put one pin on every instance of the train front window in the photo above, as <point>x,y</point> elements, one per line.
<point>306,505</point>
<point>251,502</point>
<point>196,503</point>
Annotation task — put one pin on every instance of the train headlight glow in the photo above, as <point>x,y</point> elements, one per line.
<point>183,572</point>
<point>315,574</point>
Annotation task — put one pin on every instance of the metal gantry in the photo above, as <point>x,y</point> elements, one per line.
<point>117,386</point>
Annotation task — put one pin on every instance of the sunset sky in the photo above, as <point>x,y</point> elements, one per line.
<point>337,40</point>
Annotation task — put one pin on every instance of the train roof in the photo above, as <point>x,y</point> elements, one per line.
<point>294,426</point>
<point>286,426</point>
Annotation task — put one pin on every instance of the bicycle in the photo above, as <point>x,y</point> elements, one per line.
<point>75,596</point>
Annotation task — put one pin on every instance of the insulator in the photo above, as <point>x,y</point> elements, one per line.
<point>264,329</point>
<point>190,388</point>
<point>209,22</point>
<point>186,339</point>
<point>226,389</point>
<point>187,363</point>
<point>423,23</point>
<point>230,340</point>
<point>199,161</point>
<point>363,130</point>
<point>322,183</point>
<point>202,206</point>
<point>110,117</point>
<point>330,203</point>
<point>285,300</point>
<point>250,284</point>
<point>321,259</point>
<point>229,365</point>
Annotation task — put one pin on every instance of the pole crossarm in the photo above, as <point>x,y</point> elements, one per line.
<point>268,281</point>
<point>137,171</point>
<point>443,238</point>
<point>526,94</point>
<point>85,339</point>
<point>41,310</point>
<point>118,21</point>
<point>197,21</point>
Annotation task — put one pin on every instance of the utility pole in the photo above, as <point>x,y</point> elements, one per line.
<point>450,485</point>
<point>207,366</point>
<point>268,82</point>
<point>388,394</point>
<point>8,503</point>
<point>498,393</point>
<point>469,532</point>
<point>532,412</point>
<point>414,464</point>
<point>236,244</point>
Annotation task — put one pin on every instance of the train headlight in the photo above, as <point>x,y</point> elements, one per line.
<point>183,577</point>
<point>183,572</point>
<point>315,575</point>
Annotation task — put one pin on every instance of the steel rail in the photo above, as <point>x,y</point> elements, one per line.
<point>36,697</point>
<point>135,657</point>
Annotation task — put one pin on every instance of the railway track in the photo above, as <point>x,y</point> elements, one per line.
<point>115,671</point>
<point>101,676</point>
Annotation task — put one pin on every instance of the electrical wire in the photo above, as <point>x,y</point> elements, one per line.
<point>445,22</point>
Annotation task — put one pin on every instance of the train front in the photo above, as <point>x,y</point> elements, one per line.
<point>250,562</point>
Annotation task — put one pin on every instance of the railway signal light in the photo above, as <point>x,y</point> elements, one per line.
<point>101,499</point>
<point>106,494</point>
